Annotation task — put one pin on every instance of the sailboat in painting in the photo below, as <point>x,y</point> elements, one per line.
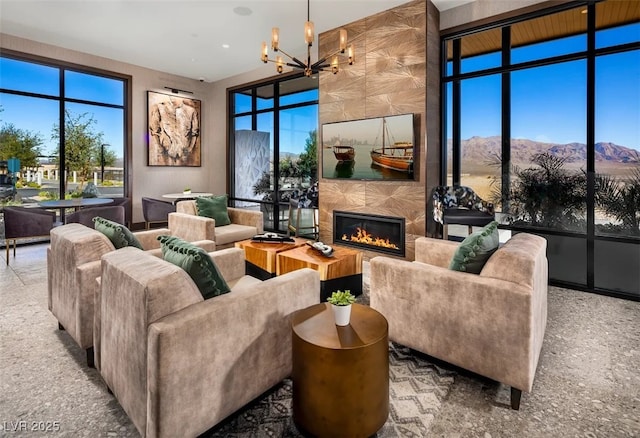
<point>396,156</point>
<point>344,153</point>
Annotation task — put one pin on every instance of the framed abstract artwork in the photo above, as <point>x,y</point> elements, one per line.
<point>173,130</point>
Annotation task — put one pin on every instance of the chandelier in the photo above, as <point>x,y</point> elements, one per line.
<point>322,64</point>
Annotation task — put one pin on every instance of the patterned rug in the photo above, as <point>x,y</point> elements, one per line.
<point>416,390</point>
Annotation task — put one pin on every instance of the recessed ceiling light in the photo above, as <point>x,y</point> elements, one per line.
<point>225,46</point>
<point>242,10</point>
<point>584,11</point>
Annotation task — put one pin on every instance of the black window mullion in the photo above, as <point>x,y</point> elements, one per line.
<point>456,151</point>
<point>506,119</point>
<point>591,176</point>
<point>444,112</point>
<point>62,187</point>
<point>276,155</point>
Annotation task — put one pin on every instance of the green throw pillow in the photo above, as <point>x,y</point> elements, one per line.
<point>214,207</point>
<point>475,250</point>
<point>117,233</point>
<point>197,263</point>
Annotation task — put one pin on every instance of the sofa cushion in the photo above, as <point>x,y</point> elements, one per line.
<point>117,233</point>
<point>214,207</point>
<point>197,263</point>
<point>475,250</point>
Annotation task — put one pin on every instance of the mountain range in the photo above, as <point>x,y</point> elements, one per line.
<point>482,149</point>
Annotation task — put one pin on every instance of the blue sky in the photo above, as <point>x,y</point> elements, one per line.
<point>549,103</point>
<point>39,115</point>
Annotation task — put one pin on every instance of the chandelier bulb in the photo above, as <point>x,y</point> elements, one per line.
<point>343,40</point>
<point>279,64</point>
<point>309,33</point>
<point>275,38</point>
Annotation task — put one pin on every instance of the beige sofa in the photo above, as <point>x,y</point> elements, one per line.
<point>244,224</point>
<point>178,365</point>
<point>73,264</point>
<point>492,324</point>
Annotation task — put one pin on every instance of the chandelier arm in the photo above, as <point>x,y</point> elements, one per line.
<point>319,63</point>
<point>332,54</point>
<point>293,58</point>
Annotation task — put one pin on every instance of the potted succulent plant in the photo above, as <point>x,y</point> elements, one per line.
<point>341,303</point>
<point>186,191</point>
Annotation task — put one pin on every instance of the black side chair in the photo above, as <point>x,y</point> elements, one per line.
<point>84,216</point>
<point>156,211</point>
<point>126,203</point>
<point>460,205</point>
<point>26,223</point>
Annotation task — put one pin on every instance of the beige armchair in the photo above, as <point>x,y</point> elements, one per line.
<point>73,264</point>
<point>244,224</point>
<point>492,324</point>
<point>179,365</point>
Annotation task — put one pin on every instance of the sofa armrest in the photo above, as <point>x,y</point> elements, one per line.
<point>191,228</point>
<point>435,252</point>
<point>86,275</point>
<point>484,325</point>
<point>230,262</point>
<point>187,207</point>
<point>228,350</point>
<point>149,238</point>
<point>243,216</point>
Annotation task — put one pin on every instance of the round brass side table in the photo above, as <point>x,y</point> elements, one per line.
<point>340,374</point>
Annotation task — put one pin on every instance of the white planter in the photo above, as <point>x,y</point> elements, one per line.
<point>342,314</point>
<point>186,192</point>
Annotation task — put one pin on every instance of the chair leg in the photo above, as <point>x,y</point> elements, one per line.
<point>15,243</point>
<point>445,232</point>
<point>516,395</point>
<point>470,229</point>
<point>90,359</point>
<point>7,243</point>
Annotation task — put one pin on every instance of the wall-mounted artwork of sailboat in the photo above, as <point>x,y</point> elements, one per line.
<point>370,149</point>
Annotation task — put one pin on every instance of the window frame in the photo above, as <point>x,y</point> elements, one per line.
<point>453,78</point>
<point>63,66</point>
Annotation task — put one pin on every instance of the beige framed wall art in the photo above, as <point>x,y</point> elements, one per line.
<point>174,130</point>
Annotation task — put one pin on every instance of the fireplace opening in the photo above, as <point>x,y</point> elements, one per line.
<point>370,231</point>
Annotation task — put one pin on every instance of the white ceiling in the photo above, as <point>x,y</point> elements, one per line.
<point>182,37</point>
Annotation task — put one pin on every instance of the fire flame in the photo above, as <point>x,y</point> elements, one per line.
<point>362,236</point>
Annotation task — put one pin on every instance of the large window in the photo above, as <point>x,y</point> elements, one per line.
<point>273,129</point>
<point>541,115</point>
<point>37,98</point>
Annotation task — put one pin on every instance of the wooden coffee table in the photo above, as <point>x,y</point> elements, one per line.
<point>342,271</point>
<point>340,374</point>
<point>261,257</point>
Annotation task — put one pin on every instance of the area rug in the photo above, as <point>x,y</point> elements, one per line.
<point>416,390</point>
